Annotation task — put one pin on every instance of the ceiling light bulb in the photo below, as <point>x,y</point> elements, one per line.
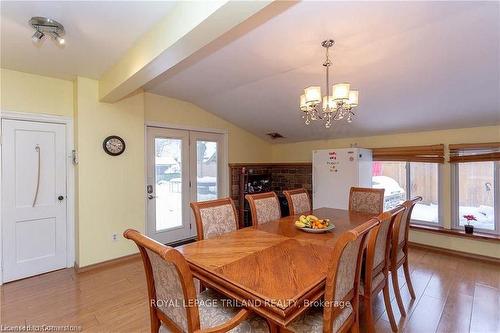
<point>313,95</point>
<point>303,104</point>
<point>328,103</point>
<point>353,97</point>
<point>37,36</point>
<point>58,38</point>
<point>341,91</point>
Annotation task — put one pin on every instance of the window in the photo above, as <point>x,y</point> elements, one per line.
<point>476,187</point>
<point>390,176</point>
<point>405,180</point>
<point>424,183</point>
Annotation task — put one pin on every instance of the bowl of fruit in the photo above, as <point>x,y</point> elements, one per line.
<point>311,223</point>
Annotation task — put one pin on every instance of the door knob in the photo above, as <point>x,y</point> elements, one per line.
<point>151,197</point>
<point>60,198</point>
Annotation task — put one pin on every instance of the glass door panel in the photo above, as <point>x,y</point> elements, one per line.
<point>168,183</point>
<point>182,167</point>
<point>167,189</point>
<point>206,170</point>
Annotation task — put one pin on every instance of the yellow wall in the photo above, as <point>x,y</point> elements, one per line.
<point>243,146</point>
<point>23,92</point>
<point>484,248</point>
<point>111,189</point>
<point>302,152</point>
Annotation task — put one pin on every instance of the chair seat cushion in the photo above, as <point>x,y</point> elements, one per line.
<point>376,281</point>
<point>216,310</point>
<point>312,320</point>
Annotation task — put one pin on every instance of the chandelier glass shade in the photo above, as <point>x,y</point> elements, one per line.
<point>337,104</point>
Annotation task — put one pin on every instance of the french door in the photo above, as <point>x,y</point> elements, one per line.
<point>182,167</point>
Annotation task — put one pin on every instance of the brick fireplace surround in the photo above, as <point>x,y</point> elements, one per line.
<point>284,176</point>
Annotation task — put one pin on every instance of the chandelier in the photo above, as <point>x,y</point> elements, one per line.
<point>337,106</point>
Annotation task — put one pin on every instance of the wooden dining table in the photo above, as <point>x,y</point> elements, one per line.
<point>274,269</point>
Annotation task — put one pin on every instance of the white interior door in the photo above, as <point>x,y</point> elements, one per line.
<point>182,166</point>
<point>33,198</point>
<point>167,191</point>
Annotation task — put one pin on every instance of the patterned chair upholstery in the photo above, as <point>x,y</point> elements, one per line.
<point>377,265</point>
<point>298,201</point>
<point>265,207</point>
<point>399,252</point>
<point>173,303</point>
<point>213,316</point>
<point>340,311</point>
<point>214,217</point>
<point>366,200</point>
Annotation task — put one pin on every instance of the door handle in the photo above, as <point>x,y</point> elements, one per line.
<point>37,149</point>
<point>151,197</point>
<point>60,198</point>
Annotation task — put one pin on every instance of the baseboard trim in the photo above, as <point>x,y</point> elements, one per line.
<point>454,252</point>
<point>127,258</point>
<point>108,263</point>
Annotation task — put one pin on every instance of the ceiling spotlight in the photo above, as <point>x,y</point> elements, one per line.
<point>58,38</point>
<point>37,36</point>
<point>44,26</point>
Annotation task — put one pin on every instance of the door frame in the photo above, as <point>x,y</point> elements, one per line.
<point>70,176</point>
<point>225,181</point>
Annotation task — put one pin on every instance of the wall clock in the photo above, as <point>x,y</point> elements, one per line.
<point>113,145</point>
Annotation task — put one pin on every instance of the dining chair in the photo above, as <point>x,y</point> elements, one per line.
<point>214,217</point>
<point>264,207</point>
<point>377,264</point>
<point>366,200</point>
<point>298,201</point>
<point>340,310</point>
<point>399,252</point>
<point>173,303</point>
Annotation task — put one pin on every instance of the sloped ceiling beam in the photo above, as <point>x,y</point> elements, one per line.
<point>186,29</point>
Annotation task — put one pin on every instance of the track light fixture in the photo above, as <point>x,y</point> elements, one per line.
<point>37,36</point>
<point>58,38</point>
<point>44,26</point>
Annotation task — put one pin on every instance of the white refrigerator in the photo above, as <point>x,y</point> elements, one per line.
<point>335,171</point>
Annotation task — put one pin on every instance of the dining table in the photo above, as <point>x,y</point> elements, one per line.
<point>273,269</point>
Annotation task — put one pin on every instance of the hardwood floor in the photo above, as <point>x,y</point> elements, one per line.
<point>454,294</point>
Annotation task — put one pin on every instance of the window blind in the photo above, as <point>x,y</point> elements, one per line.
<point>428,154</point>
<point>475,152</point>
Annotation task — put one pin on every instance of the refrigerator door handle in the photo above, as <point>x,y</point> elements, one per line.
<point>313,179</point>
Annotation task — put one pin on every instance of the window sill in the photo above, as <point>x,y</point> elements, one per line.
<point>456,233</point>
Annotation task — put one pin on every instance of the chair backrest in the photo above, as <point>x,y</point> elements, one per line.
<point>170,285</point>
<point>264,207</point>
<point>402,226</point>
<point>214,217</point>
<point>378,247</point>
<point>342,280</point>
<point>298,201</point>
<point>366,200</point>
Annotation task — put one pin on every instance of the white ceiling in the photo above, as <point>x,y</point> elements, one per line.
<point>97,34</point>
<point>418,66</point>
